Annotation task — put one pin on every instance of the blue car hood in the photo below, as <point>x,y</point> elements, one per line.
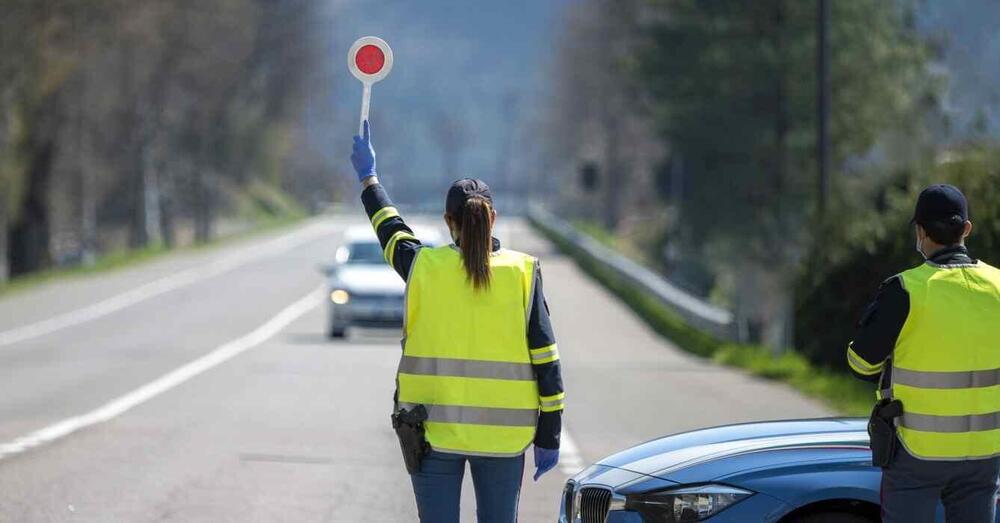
<point>674,457</point>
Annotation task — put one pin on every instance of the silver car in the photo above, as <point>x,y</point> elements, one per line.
<point>363,290</point>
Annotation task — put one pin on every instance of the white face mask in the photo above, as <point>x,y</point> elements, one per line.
<point>919,250</point>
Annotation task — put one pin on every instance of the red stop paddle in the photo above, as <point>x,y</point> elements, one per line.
<point>369,60</point>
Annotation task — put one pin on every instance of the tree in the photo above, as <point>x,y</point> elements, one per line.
<point>139,116</point>
<point>598,115</point>
<point>878,242</point>
<point>733,85</point>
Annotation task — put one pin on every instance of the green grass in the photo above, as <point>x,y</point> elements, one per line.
<point>132,257</point>
<point>597,232</point>
<point>842,392</point>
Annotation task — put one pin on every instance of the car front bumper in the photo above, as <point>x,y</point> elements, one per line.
<point>368,312</point>
<point>620,482</point>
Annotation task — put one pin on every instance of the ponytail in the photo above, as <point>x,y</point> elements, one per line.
<point>475,240</point>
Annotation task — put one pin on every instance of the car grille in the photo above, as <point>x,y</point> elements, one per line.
<point>594,504</point>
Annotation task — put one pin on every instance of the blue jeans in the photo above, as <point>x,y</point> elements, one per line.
<point>438,487</point>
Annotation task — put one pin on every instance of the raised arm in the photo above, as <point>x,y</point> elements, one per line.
<point>399,245</point>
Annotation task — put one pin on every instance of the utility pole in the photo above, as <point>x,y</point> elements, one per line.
<point>823,102</point>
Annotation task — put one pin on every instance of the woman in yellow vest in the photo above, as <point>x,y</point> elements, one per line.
<point>479,355</point>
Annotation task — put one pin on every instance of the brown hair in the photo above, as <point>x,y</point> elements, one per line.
<point>475,239</point>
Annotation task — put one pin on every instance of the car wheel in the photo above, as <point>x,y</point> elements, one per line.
<point>833,517</point>
<point>337,332</point>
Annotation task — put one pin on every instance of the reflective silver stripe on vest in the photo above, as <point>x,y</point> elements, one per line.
<point>932,423</point>
<point>946,380</point>
<point>553,403</point>
<point>862,364</point>
<point>479,415</point>
<point>498,370</point>
<point>543,355</point>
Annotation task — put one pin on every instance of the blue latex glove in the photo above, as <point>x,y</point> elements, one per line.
<point>545,460</point>
<point>363,156</point>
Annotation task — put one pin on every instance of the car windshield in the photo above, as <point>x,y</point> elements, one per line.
<point>365,253</point>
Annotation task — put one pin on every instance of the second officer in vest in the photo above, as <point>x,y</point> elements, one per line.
<point>931,338</point>
<point>480,366</point>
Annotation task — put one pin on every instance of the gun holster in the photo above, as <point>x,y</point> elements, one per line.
<point>409,427</point>
<point>882,431</point>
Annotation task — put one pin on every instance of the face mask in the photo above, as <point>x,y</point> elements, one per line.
<point>919,250</point>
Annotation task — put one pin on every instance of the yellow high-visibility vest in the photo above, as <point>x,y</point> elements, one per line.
<point>946,362</point>
<point>465,353</point>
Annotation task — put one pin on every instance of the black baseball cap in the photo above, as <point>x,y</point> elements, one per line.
<point>462,190</point>
<point>941,203</point>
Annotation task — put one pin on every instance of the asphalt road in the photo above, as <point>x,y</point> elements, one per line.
<point>200,387</point>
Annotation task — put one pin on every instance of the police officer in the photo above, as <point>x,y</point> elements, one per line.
<point>478,351</point>
<point>931,338</point>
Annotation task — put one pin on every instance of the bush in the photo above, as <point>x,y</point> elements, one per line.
<point>869,246</point>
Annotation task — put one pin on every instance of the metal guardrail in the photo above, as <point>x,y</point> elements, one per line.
<point>696,311</point>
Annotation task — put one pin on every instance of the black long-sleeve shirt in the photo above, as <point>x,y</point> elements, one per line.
<point>401,246</point>
<point>883,319</point>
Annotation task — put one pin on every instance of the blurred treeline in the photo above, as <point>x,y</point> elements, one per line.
<point>133,123</point>
<point>688,128</point>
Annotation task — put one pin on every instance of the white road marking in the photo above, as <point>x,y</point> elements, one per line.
<point>162,285</point>
<point>168,381</point>
<point>570,460</point>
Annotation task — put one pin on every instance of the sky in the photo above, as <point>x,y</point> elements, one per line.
<point>479,65</point>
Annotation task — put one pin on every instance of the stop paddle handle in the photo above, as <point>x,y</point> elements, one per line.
<point>369,60</point>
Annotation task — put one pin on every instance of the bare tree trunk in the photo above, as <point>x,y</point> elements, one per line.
<point>133,160</point>
<point>4,264</point>
<point>202,205</point>
<point>151,196</point>
<point>137,228</point>
<point>88,185</point>
<point>29,238</point>
<point>614,172</point>
<point>507,179</point>
<point>81,146</point>
<point>778,334</point>
<point>168,229</point>
<point>88,215</point>
<point>167,225</point>
<point>780,118</point>
<point>617,97</point>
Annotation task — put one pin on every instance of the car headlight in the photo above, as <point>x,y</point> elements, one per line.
<point>686,504</point>
<point>340,296</point>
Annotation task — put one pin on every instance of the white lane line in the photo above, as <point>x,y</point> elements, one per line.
<point>162,285</point>
<point>168,381</point>
<point>570,460</point>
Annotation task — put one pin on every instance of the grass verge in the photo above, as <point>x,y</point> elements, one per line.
<point>128,258</point>
<point>841,391</point>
